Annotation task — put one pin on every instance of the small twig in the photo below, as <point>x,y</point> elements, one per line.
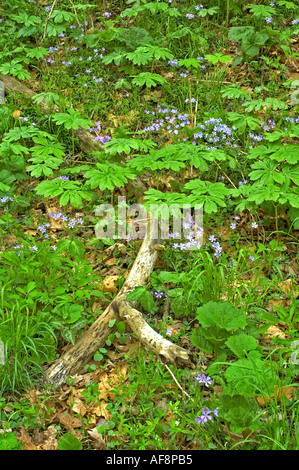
<point>75,11</point>
<point>172,375</point>
<point>227,177</point>
<point>50,14</point>
<point>48,17</point>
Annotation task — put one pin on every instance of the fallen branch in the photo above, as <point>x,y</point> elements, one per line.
<point>14,86</point>
<point>77,356</point>
<point>73,360</point>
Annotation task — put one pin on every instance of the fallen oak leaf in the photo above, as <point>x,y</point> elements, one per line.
<point>25,439</point>
<point>98,442</point>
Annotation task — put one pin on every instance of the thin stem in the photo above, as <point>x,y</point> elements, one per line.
<point>172,375</point>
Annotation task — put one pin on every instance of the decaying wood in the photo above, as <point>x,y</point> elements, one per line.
<point>160,346</point>
<point>73,360</point>
<point>77,356</point>
<point>15,87</point>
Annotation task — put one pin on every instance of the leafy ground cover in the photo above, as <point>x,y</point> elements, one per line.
<point>200,103</point>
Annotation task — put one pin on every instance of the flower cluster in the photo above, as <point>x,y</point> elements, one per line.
<point>216,245</point>
<point>206,415</point>
<point>99,138</point>
<point>204,379</point>
<point>158,294</point>
<point>170,120</point>
<point>5,199</point>
<point>63,178</point>
<point>214,131</point>
<point>192,233</point>
<point>73,222</point>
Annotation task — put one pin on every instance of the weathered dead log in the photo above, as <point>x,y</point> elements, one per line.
<point>15,87</point>
<point>77,356</point>
<point>73,360</point>
<point>86,139</point>
<point>160,346</point>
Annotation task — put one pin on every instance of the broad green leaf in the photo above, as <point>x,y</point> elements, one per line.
<point>221,314</point>
<point>69,442</point>
<point>241,344</point>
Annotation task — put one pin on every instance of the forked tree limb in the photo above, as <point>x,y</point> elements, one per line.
<point>73,360</point>
<point>160,346</point>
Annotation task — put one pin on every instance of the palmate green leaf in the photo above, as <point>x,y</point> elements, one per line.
<point>117,56</point>
<point>54,29</point>
<point>211,195</point>
<point>46,148</point>
<point>27,31</point>
<point>37,52</point>
<point>188,63</point>
<point>155,7</point>
<point>43,165</point>
<point>198,187</point>
<point>218,57</point>
<point>60,16</point>
<point>27,20</point>
<point>203,12</point>
<point>108,176</point>
<point>22,132</point>
<point>160,203</point>
<point>254,105</point>
<point>292,172</point>
<point>275,103</point>
<point>141,56</point>
<point>287,4</point>
<point>234,92</point>
<point>146,53</point>
<point>69,191</point>
<point>15,69</point>
<point>71,120</point>
<point>266,172</point>
<point>257,105</point>
<point>289,153</point>
<point>262,11</point>
<point>158,52</point>
<point>124,145</point>
<point>260,193</point>
<point>172,157</point>
<point>223,315</point>
<point>148,79</point>
<point>241,121</point>
<point>7,148</point>
<point>273,136</point>
<point>293,199</point>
